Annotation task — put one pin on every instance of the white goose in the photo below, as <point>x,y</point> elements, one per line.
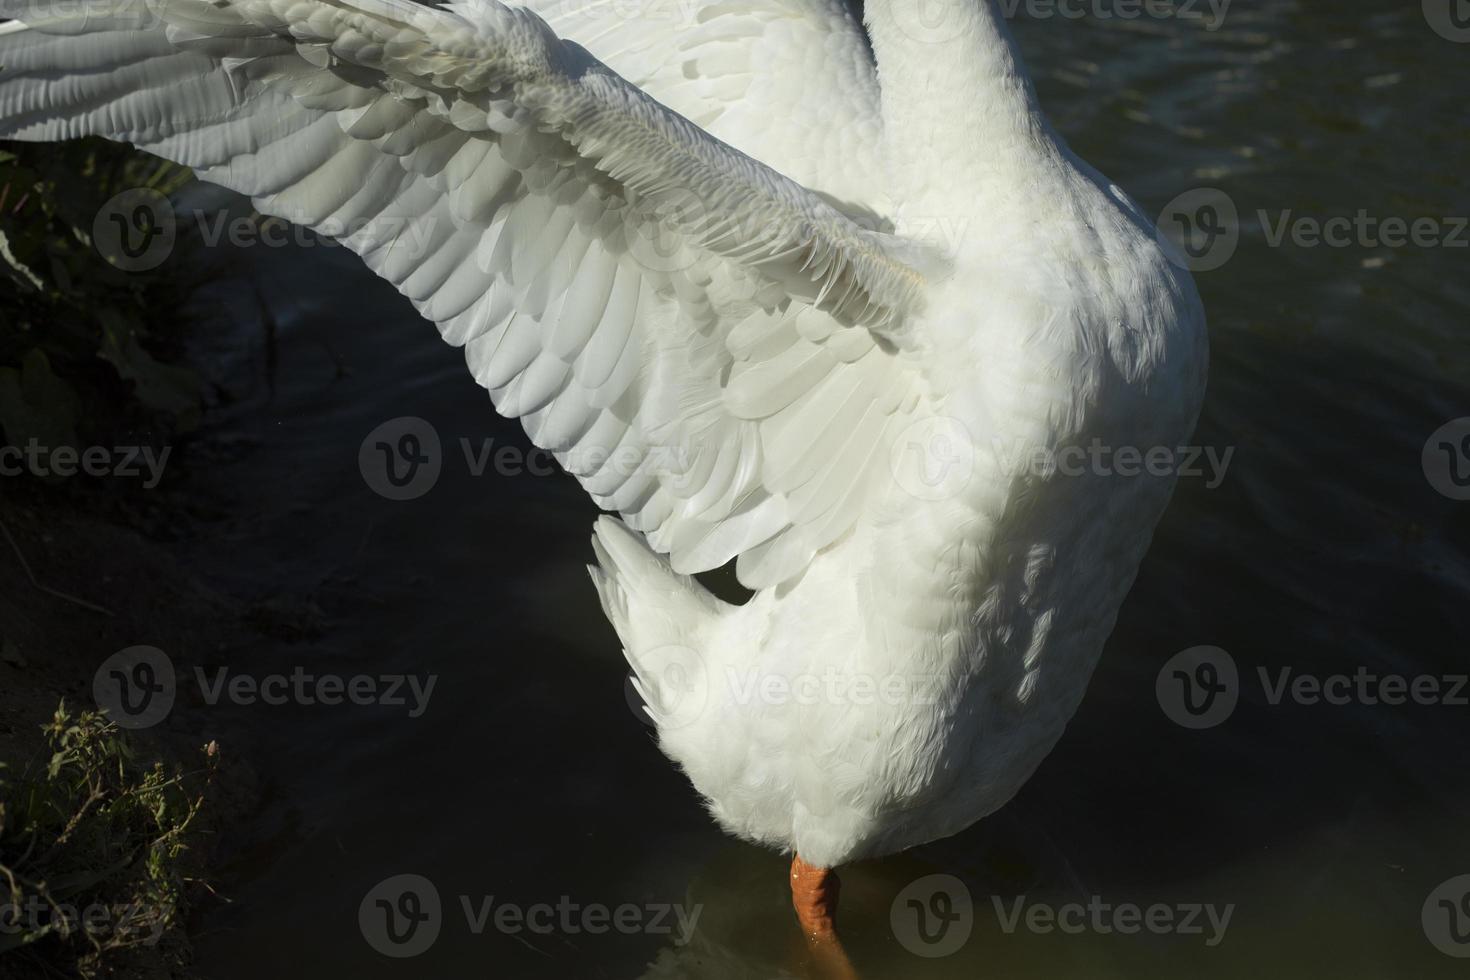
<point>765,300</point>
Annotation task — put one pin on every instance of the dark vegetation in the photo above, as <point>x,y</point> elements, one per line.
<point>103,835</point>
<point>88,350</point>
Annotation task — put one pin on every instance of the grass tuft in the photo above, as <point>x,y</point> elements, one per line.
<point>95,847</point>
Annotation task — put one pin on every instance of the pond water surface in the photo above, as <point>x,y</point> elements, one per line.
<point>1322,829</point>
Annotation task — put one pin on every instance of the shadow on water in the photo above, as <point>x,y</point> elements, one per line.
<point>529,779</point>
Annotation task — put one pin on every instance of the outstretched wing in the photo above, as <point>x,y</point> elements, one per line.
<point>790,82</point>
<point>697,337</point>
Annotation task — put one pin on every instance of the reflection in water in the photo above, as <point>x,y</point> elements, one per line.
<point>1324,828</point>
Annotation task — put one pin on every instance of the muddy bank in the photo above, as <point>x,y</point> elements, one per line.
<point>82,577</point>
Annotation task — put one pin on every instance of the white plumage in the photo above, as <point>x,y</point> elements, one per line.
<point>766,301</point>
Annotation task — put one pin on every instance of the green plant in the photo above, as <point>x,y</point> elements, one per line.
<point>95,846</point>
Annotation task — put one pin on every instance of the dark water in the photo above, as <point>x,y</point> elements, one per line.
<point>1326,549</point>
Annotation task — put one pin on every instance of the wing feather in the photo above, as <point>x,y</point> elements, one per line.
<point>689,330</point>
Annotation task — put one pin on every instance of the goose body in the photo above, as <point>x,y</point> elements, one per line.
<point>768,302</point>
